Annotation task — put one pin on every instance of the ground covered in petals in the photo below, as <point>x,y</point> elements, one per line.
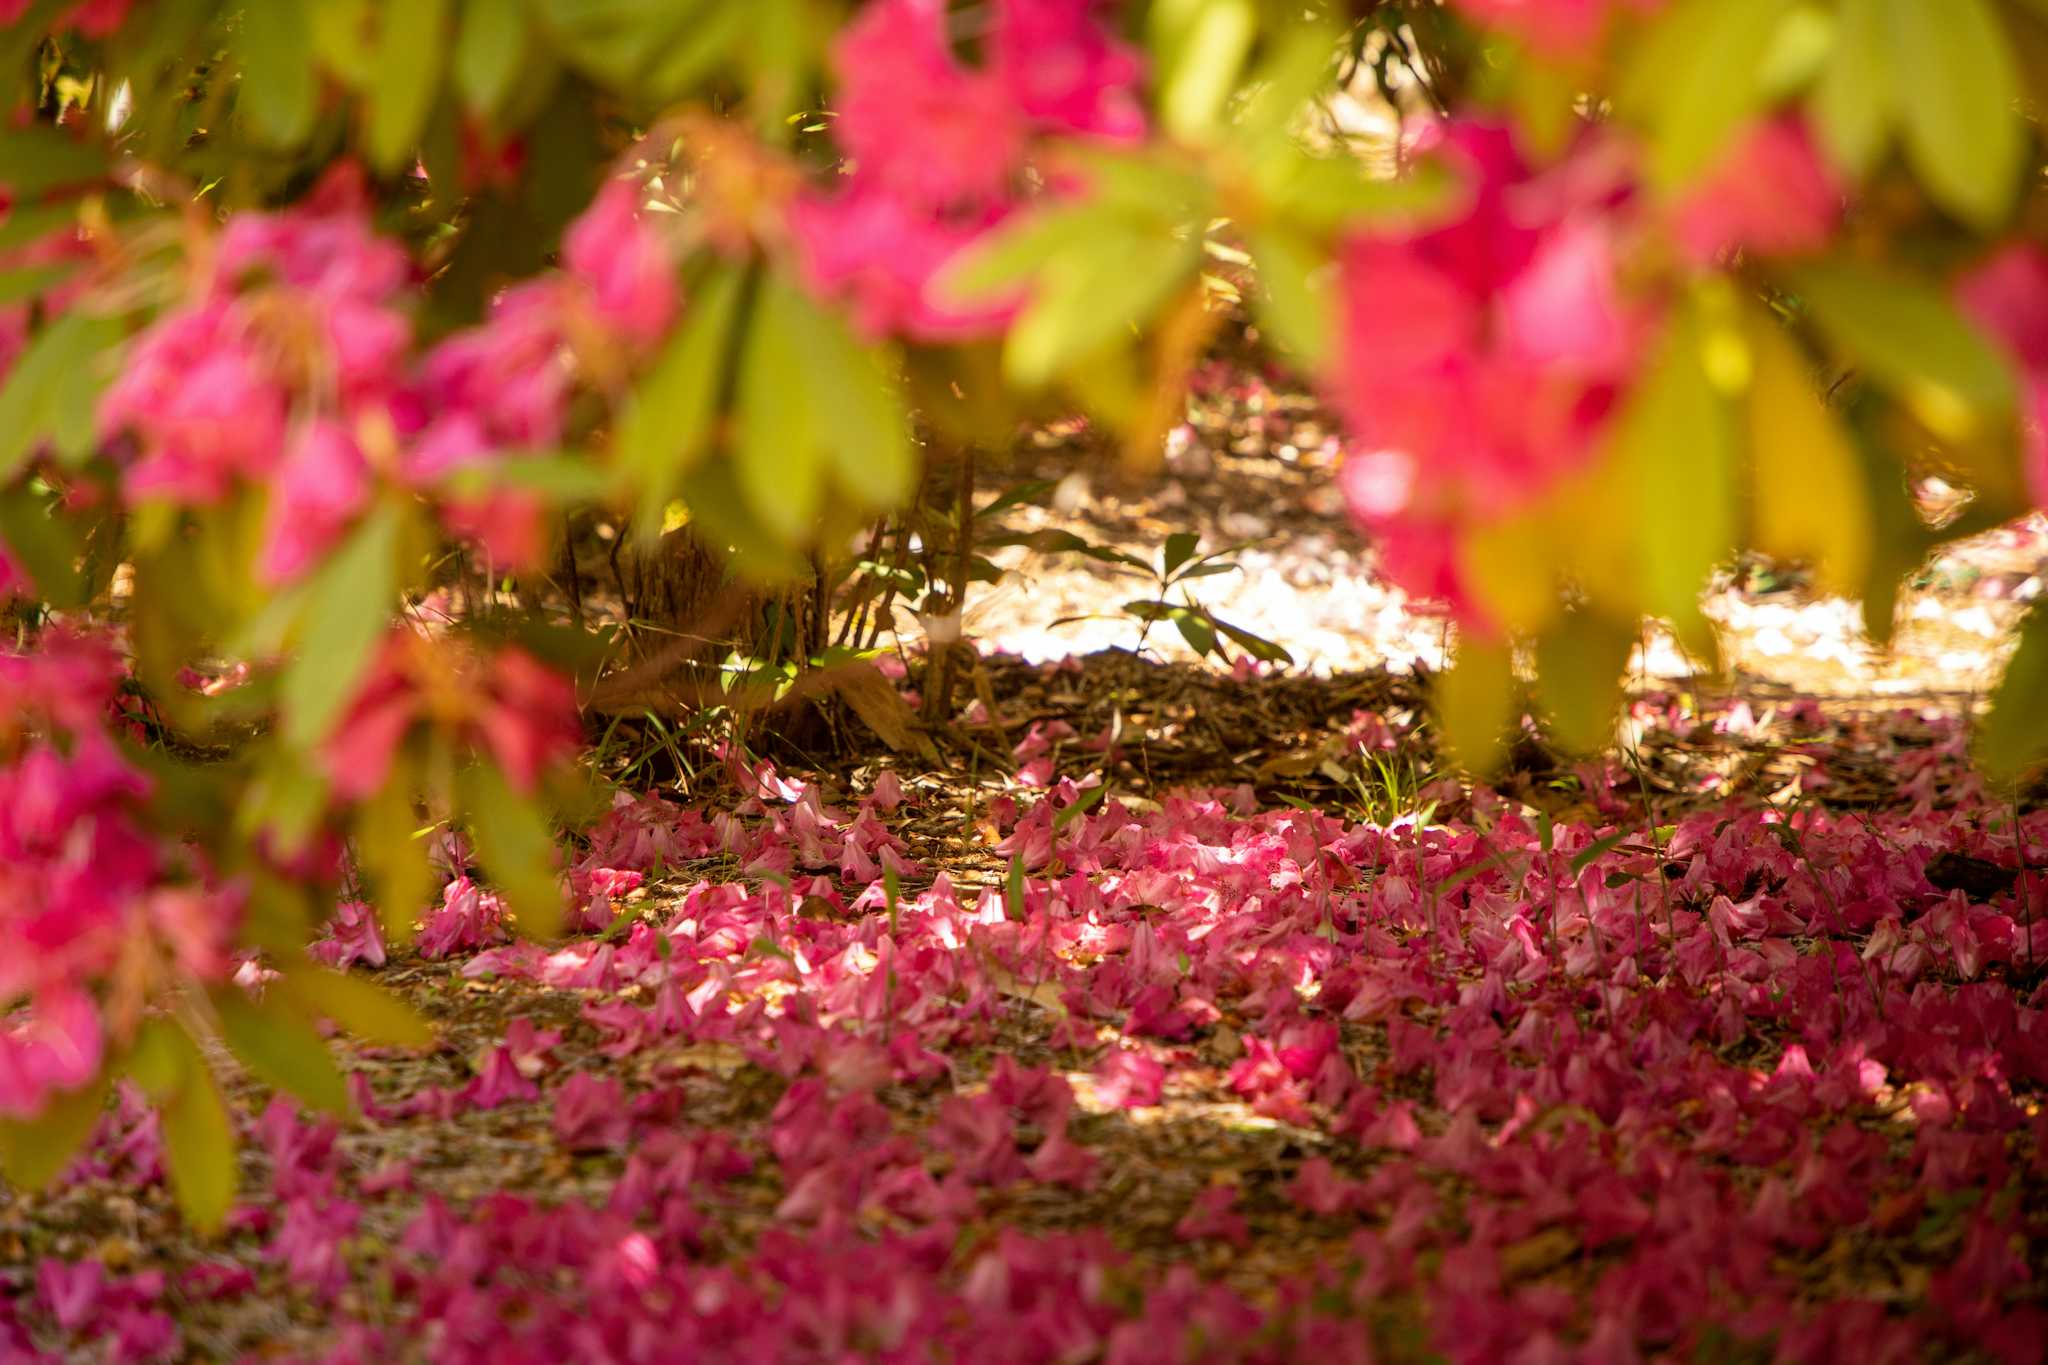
<point>1730,1049</point>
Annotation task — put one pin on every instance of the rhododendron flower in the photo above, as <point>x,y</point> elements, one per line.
<point>517,708</point>
<point>1065,70</point>
<point>55,1046</point>
<point>1771,193</point>
<point>880,253</point>
<point>2007,296</point>
<point>615,251</point>
<point>205,405</point>
<point>1478,362</point>
<point>914,119</point>
<point>1561,28</point>
<point>322,486</point>
<point>509,378</point>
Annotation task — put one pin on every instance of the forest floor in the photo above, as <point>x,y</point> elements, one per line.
<point>1169,1012</point>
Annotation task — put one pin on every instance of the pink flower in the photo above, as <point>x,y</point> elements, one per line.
<point>616,252</point>
<point>355,934</point>
<point>590,1113</point>
<point>2007,296</point>
<point>1771,194</point>
<point>1561,28</point>
<point>914,119</point>
<point>203,403</point>
<point>323,485</point>
<point>56,1046</point>
<point>1065,70</point>
<point>881,253</point>
<point>1129,1079</point>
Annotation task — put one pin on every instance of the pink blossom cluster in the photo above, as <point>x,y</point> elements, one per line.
<point>937,148</point>
<point>1481,362</point>
<point>505,702</point>
<point>95,906</point>
<point>1557,28</point>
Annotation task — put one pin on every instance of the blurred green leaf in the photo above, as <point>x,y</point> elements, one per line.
<point>779,463</point>
<point>1290,303</point>
<point>400,872</point>
<point>1198,47</point>
<point>412,48</point>
<point>516,847</point>
<point>365,1009</point>
<point>1579,665</point>
<point>1087,300</point>
<point>1957,93</point>
<point>1258,646</point>
<point>38,158</point>
<point>53,389</point>
<point>490,51</point>
<point>1194,628</point>
<point>1853,103</point>
<point>1678,442</point>
<point>1000,263</point>
<point>1300,64</point>
<point>1178,550</point>
<point>1475,703</point>
<point>1700,73</point>
<point>347,609</point>
<point>279,87</point>
<point>282,1048</point>
<point>666,426</point>
<point>33,1152</point>
<point>1807,491</point>
<point>2013,737</point>
<point>1912,340</point>
<point>199,1145</point>
<point>44,544</point>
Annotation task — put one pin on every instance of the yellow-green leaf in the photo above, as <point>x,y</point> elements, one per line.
<point>347,609</point>
<point>1852,103</point>
<point>282,1048</point>
<point>1808,497</point>
<point>490,49</point>
<point>275,46</point>
<point>516,847</point>
<point>400,872</point>
<point>2014,736</point>
<point>1475,701</point>
<point>33,1152</point>
<point>362,1007</point>
<point>665,427</point>
<point>1701,71</point>
<point>412,46</point>
<point>1957,91</point>
<point>1579,664</point>
<point>199,1147</point>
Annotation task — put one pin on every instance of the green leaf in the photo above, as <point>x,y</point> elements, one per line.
<point>51,393</point>
<point>33,1152</point>
<point>1912,340</point>
<point>397,863</point>
<point>1092,299</point>
<point>1258,646</point>
<point>562,479</point>
<point>45,545</point>
<point>2014,736</point>
<point>412,42</point>
<point>1001,262</point>
<point>30,281</point>
<point>1852,104</point>
<point>365,1009</point>
<point>278,90</point>
<point>1579,664</point>
<point>1604,844</point>
<point>1088,800</point>
<point>490,51</point>
<point>859,411</point>
<point>1806,481</point>
<point>516,847</point>
<point>1701,67</point>
<point>1179,548</point>
<point>1677,438</point>
<point>1326,194</point>
<point>780,461</point>
<point>1194,627</point>
<point>1199,47</point>
<point>199,1146</point>
<point>282,1048</point>
<point>1475,703</point>
<point>1289,304</point>
<point>347,610</point>
<point>665,428</point>
<point>1300,65</point>
<point>39,158</point>
<point>1013,888</point>
<point>158,1059</point>
<point>1958,94</point>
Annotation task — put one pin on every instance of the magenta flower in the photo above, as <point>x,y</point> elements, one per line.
<point>322,486</point>
<point>1559,28</point>
<point>624,262</point>
<point>1771,194</point>
<point>1066,70</point>
<point>879,253</point>
<point>203,403</point>
<point>916,121</point>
